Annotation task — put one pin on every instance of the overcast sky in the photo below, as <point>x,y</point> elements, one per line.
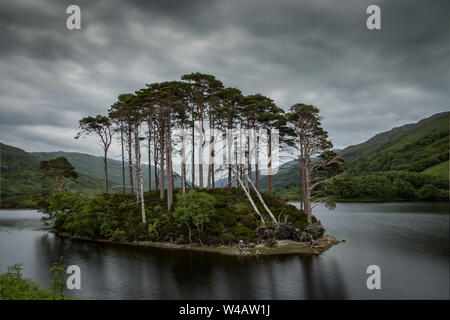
<point>316,52</point>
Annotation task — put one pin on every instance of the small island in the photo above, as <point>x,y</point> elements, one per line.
<point>197,132</point>
<point>220,221</point>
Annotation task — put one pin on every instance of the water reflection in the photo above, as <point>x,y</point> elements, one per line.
<point>406,243</point>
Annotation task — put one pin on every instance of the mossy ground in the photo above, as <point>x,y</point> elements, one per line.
<point>118,218</point>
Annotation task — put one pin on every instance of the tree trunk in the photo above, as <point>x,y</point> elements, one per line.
<point>137,162</point>
<point>161,165</point>
<point>105,164</point>
<point>256,162</point>
<point>262,200</point>
<point>249,197</point>
<point>200,156</point>
<point>183,161</point>
<point>155,162</point>
<point>123,161</point>
<point>211,156</point>
<point>130,158</point>
<point>190,238</point>
<point>193,155</point>
<point>229,157</point>
<point>249,156</point>
<point>139,173</point>
<point>302,183</point>
<point>61,184</point>
<point>213,184</point>
<point>307,197</point>
<point>169,168</point>
<point>149,159</point>
<point>269,163</point>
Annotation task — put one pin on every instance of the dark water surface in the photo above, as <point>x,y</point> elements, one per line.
<point>409,241</point>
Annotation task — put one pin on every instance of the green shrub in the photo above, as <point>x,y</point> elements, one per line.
<point>14,287</point>
<point>118,235</point>
<point>430,192</point>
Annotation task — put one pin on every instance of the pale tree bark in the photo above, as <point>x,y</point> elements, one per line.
<point>193,154</point>
<point>257,161</point>
<point>140,184</point>
<point>105,165</point>
<point>123,159</point>
<point>137,161</point>
<point>155,158</point>
<point>169,166</point>
<point>229,158</point>
<point>149,138</point>
<point>212,141</point>
<point>183,160</point>
<point>307,198</point>
<point>249,151</point>
<point>262,200</point>
<point>161,164</point>
<point>269,163</point>
<point>200,154</point>
<point>130,158</point>
<point>249,197</point>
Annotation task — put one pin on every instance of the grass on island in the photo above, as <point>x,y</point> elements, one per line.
<point>207,218</point>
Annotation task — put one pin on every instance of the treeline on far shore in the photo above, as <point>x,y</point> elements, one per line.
<point>380,186</point>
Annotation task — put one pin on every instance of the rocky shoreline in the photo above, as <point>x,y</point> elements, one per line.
<point>279,247</point>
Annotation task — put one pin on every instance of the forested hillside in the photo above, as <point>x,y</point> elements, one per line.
<point>409,162</point>
<point>21,178</point>
<point>413,147</point>
<point>93,166</point>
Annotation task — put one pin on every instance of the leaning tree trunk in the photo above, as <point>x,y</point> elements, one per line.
<point>262,200</point>
<point>249,197</point>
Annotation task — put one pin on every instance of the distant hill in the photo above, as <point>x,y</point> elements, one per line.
<point>20,176</point>
<point>421,147</point>
<point>288,175</point>
<point>417,148</point>
<point>93,166</point>
<point>413,147</point>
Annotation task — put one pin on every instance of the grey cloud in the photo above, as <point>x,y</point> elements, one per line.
<point>316,52</point>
